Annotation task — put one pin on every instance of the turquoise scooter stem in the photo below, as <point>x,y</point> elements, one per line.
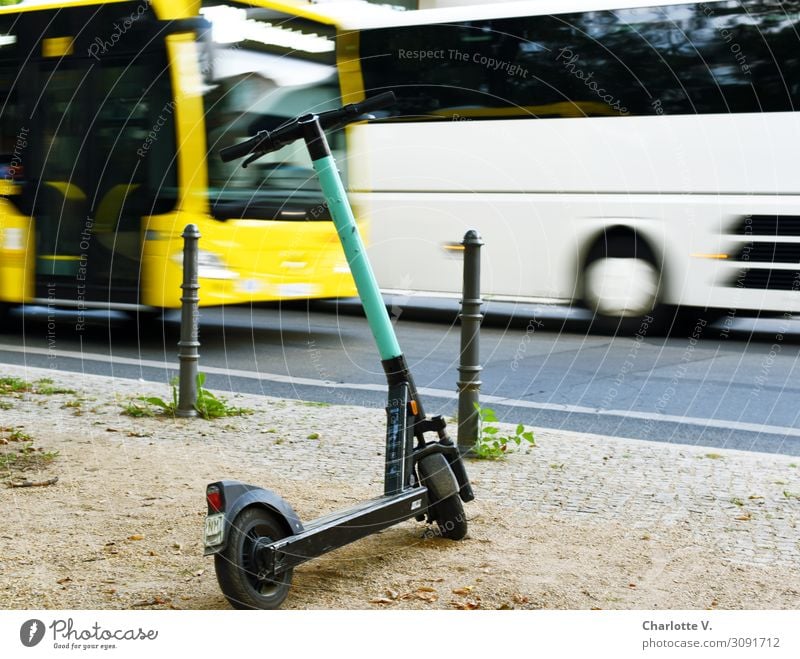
<point>367,285</point>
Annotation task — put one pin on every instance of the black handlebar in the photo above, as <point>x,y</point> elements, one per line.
<point>267,141</point>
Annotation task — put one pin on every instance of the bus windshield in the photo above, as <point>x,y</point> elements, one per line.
<point>260,69</point>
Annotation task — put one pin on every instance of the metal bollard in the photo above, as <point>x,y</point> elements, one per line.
<point>188,352</point>
<point>469,368</point>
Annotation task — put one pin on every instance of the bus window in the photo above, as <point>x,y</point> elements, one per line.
<point>13,134</point>
<point>106,145</point>
<point>675,59</point>
<point>133,156</point>
<point>255,85</point>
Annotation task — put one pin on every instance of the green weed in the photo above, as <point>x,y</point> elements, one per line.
<point>490,444</point>
<point>26,457</point>
<point>46,387</point>
<point>208,405</point>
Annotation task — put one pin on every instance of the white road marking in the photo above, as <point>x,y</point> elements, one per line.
<point>436,393</point>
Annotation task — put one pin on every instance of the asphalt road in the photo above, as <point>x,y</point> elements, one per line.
<point>735,385</point>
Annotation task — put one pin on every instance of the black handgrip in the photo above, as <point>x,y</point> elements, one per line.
<point>244,148</point>
<point>348,113</point>
<point>266,141</point>
<point>378,102</point>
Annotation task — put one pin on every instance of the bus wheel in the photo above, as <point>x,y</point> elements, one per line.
<point>8,320</point>
<point>147,318</point>
<point>621,285</point>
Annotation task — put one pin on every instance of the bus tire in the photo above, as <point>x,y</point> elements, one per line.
<point>622,286</point>
<point>7,319</point>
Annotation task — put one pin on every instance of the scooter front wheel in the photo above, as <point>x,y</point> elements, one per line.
<point>450,518</point>
<point>236,566</point>
<point>445,504</point>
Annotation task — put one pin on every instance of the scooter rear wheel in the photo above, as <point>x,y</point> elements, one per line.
<point>236,568</point>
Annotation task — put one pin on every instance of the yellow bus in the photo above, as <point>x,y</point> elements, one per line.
<point>111,114</point>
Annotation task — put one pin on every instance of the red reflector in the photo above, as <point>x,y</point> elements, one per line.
<point>214,498</point>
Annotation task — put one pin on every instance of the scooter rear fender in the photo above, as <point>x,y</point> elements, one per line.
<point>237,496</point>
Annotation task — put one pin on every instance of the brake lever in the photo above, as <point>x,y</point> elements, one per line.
<point>345,121</point>
<point>252,158</point>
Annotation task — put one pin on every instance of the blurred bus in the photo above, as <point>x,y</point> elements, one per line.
<point>111,117</point>
<point>631,156</point>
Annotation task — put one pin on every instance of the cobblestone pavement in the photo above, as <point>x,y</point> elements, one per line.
<point>746,505</point>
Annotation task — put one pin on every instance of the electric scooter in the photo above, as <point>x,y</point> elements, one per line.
<point>255,536</point>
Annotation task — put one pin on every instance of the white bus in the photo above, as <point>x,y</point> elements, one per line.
<point>628,155</point>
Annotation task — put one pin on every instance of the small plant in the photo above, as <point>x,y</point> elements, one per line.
<point>13,385</point>
<point>26,457</point>
<point>19,436</point>
<point>211,407</point>
<point>491,445</point>
<point>208,405</point>
<point>137,410</point>
<point>167,407</point>
<point>46,387</point>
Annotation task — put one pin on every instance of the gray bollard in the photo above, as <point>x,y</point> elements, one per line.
<point>188,352</point>
<point>469,368</point>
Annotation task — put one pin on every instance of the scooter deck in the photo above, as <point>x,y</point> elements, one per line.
<point>341,528</point>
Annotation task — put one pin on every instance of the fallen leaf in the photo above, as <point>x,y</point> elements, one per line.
<point>136,537</point>
<point>153,602</point>
<point>466,590</point>
<point>469,605</point>
<point>64,580</point>
<point>521,599</point>
<point>744,518</point>
<point>426,589</point>
<point>631,585</point>
<point>391,594</point>
<point>426,596</point>
<point>381,600</point>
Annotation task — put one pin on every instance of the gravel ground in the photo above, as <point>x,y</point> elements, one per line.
<point>579,522</point>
